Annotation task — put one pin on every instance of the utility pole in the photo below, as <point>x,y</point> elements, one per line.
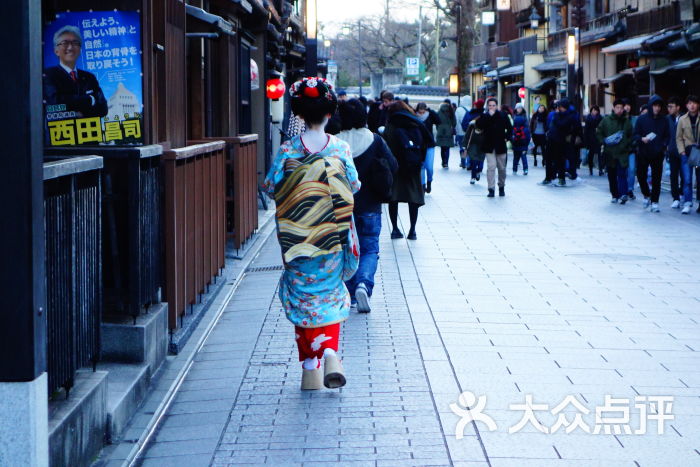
<point>359,43</point>
<point>437,48</point>
<point>459,50</point>
<point>420,35</point>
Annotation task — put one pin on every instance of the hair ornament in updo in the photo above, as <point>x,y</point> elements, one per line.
<point>311,91</point>
<point>313,99</point>
<point>311,87</point>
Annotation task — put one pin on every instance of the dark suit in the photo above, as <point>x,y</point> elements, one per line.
<point>59,88</point>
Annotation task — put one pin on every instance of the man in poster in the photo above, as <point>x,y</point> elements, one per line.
<point>65,84</point>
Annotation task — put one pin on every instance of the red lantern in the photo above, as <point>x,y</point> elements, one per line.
<point>274,88</point>
<point>521,93</point>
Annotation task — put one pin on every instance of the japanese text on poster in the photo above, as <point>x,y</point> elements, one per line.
<point>92,79</point>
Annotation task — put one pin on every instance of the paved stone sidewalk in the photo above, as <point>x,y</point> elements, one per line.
<point>552,292</point>
<point>385,416</point>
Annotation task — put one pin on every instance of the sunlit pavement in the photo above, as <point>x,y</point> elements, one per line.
<point>552,293</point>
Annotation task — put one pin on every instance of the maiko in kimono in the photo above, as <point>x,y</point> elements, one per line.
<point>312,180</point>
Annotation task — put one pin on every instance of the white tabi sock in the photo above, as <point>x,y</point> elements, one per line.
<point>310,363</point>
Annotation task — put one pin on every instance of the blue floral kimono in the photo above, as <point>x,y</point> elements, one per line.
<point>313,229</point>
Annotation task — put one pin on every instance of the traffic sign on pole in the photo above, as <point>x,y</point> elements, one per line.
<point>412,66</point>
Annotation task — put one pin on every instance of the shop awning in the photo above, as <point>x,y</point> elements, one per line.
<point>245,4</point>
<point>635,71</point>
<point>517,84</point>
<point>218,22</point>
<point>551,66</point>
<point>661,39</point>
<point>613,78</point>
<point>600,36</point>
<point>492,74</point>
<point>628,45</point>
<point>686,65</point>
<point>541,84</point>
<point>511,70</point>
<point>487,85</point>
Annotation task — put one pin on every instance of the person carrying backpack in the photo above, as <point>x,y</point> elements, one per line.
<point>376,167</point>
<point>408,140</point>
<point>521,138</point>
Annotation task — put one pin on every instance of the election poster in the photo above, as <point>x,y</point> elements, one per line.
<point>93,92</point>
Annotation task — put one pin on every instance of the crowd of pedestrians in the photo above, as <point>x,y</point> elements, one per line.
<point>636,147</point>
<point>330,181</point>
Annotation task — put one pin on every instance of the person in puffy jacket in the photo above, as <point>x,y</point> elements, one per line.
<point>652,136</point>
<point>521,138</point>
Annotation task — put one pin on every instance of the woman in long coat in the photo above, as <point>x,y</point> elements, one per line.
<point>408,140</point>
<point>313,179</point>
<point>445,132</point>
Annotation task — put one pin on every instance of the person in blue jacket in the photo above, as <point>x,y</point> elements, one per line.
<point>651,135</point>
<point>521,138</point>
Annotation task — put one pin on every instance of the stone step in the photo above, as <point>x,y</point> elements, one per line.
<point>127,386</point>
<point>76,423</point>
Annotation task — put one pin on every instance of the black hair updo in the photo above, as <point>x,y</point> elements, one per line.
<point>352,114</point>
<point>313,99</point>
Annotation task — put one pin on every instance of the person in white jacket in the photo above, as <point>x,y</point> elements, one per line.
<point>460,112</point>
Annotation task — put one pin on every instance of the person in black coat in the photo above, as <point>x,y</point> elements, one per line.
<point>538,130</point>
<point>593,119</point>
<point>497,131</point>
<point>410,154</point>
<point>66,84</point>
<point>377,117</point>
<point>652,136</point>
<point>560,143</point>
<point>374,163</point>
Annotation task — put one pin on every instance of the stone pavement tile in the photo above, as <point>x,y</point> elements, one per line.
<point>589,446</point>
<point>521,445</point>
<point>384,396</point>
<point>519,462</point>
<point>184,433</point>
<point>466,449</point>
<point>179,448</point>
<point>190,460</point>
